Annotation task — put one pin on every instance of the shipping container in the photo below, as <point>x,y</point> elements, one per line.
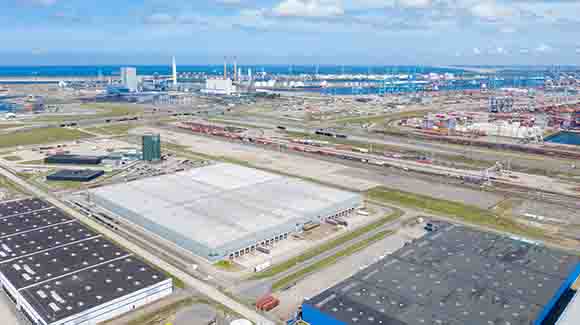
<point>331,222</point>
<point>310,226</point>
<point>263,300</point>
<point>263,266</point>
<point>270,305</point>
<point>263,249</point>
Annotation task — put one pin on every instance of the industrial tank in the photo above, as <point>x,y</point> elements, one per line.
<point>241,322</point>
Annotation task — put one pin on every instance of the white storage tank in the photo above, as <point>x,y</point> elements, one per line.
<point>241,321</point>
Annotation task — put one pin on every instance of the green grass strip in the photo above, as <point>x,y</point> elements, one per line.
<point>281,267</point>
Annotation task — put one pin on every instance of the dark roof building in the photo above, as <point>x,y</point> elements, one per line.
<point>452,276</point>
<point>86,175</point>
<point>73,159</point>
<point>58,271</point>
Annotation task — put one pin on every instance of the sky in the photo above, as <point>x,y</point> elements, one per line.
<point>352,32</point>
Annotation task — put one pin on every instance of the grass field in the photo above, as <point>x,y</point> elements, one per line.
<point>330,260</point>
<point>8,126</point>
<point>114,129</point>
<point>103,111</point>
<point>460,211</point>
<point>278,268</point>
<point>41,136</point>
<point>9,185</point>
<point>12,158</point>
<point>227,266</point>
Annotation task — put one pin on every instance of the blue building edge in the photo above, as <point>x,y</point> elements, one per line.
<point>314,316</point>
<point>552,303</point>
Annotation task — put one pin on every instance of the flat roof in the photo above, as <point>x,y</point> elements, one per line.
<point>39,267</point>
<point>60,266</point>
<point>11,208</point>
<point>38,219</point>
<point>27,243</point>
<point>221,204</point>
<point>452,276</point>
<point>83,290</point>
<point>76,173</point>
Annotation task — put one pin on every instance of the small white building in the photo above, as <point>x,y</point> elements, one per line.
<point>219,87</point>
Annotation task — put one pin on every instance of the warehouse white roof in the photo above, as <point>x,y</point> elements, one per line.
<point>221,203</point>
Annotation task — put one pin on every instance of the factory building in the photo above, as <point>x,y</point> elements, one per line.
<point>86,175</point>
<point>455,276</point>
<point>73,159</point>
<point>59,272</point>
<point>224,211</point>
<point>151,147</point>
<point>129,78</point>
<point>219,87</point>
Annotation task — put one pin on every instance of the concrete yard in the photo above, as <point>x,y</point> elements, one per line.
<point>292,298</point>
<point>218,209</point>
<point>282,162</point>
<point>8,314</point>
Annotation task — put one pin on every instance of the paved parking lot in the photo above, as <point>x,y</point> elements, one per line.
<point>348,266</point>
<point>8,314</point>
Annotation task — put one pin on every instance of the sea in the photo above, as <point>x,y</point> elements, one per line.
<point>523,78</point>
<point>114,70</point>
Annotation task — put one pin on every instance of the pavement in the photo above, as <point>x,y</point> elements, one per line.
<point>257,288</point>
<point>204,288</point>
<point>8,313</point>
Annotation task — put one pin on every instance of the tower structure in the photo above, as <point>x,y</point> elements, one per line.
<point>174,72</point>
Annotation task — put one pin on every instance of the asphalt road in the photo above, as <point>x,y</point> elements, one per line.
<point>258,288</point>
<point>202,287</point>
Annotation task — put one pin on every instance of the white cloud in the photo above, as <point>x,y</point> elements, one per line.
<point>490,10</point>
<point>159,19</point>
<point>524,51</point>
<point>308,8</point>
<point>500,50</point>
<point>41,2</point>
<point>415,3</point>
<point>543,48</point>
<point>476,51</point>
<point>507,30</point>
<point>578,50</point>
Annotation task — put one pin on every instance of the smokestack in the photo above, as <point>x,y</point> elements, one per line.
<point>235,68</point>
<point>225,67</point>
<point>174,72</point>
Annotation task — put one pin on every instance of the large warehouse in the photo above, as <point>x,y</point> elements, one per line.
<point>224,210</point>
<point>452,276</point>
<point>59,272</point>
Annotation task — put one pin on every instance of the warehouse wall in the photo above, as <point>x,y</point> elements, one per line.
<point>314,316</point>
<point>21,303</point>
<point>120,305</point>
<point>565,285</point>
